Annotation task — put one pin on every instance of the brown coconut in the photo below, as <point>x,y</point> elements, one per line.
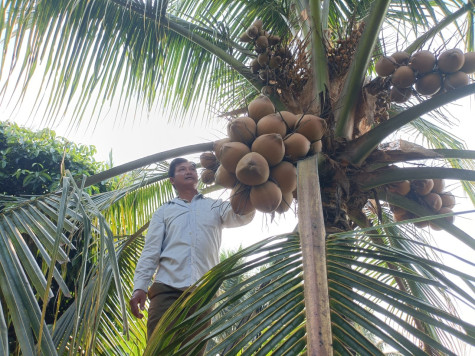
<point>285,175</point>
<point>240,200</point>
<point>255,66</point>
<point>225,178</point>
<point>439,185</point>
<point>448,219</point>
<point>285,203</point>
<point>209,160</point>
<point>316,147</point>
<point>401,188</point>
<point>429,84</point>
<point>422,186</point>
<point>433,201</point>
<point>262,42</point>
<point>289,118</point>
<point>403,77</point>
<point>312,127</point>
<point>260,107</point>
<point>400,95</point>
<point>385,66</point>
<point>207,176</point>
<point>401,57</point>
<point>242,129</point>
<point>266,197</point>
<point>272,123</point>
<point>402,214</point>
<point>296,146</point>
<point>263,59</point>
<point>231,153</point>
<point>455,80</point>
<point>218,145</point>
<point>252,31</point>
<point>422,61</point>
<point>448,200</point>
<point>451,60</point>
<point>469,63</point>
<point>252,169</point>
<point>271,147</point>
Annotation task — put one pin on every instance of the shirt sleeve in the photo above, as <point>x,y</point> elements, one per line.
<point>230,219</point>
<point>148,261</point>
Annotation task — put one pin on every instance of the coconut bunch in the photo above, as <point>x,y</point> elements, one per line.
<point>425,72</point>
<point>257,159</point>
<point>427,192</point>
<point>273,60</point>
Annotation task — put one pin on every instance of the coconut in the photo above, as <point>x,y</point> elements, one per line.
<point>285,203</point>
<point>245,38</point>
<point>242,129</point>
<point>402,214</point>
<point>429,84</point>
<point>231,153</point>
<point>273,40</point>
<point>218,145</point>
<point>252,31</point>
<point>439,185</point>
<point>448,219</point>
<point>455,80</point>
<point>397,210</point>
<point>252,169</point>
<point>434,201</point>
<point>400,95</point>
<point>258,23</point>
<point>316,147</point>
<point>263,59</point>
<point>255,66</point>
<point>209,160</point>
<point>240,200</point>
<point>451,60</point>
<point>469,63</point>
<point>422,186</point>
<point>262,42</point>
<point>448,200</point>
<point>385,66</point>
<point>403,77</point>
<point>401,188</point>
<point>289,118</point>
<point>271,147</point>
<point>296,146</point>
<point>421,224</point>
<point>422,61</point>
<point>312,127</point>
<point>207,176</point>
<point>285,175</point>
<point>260,107</point>
<point>266,197</point>
<point>275,62</point>
<point>272,123</point>
<point>401,57</point>
<point>225,178</point>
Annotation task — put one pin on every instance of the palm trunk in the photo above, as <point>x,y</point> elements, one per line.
<point>312,237</point>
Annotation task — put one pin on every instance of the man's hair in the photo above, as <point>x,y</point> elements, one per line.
<point>173,164</point>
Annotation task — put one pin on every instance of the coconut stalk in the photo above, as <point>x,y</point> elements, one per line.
<point>312,240</point>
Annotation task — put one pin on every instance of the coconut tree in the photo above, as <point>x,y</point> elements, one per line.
<point>349,276</point>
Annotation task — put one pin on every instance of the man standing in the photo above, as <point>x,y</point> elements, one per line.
<point>182,241</point>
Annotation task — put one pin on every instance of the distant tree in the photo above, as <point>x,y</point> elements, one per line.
<point>31,162</point>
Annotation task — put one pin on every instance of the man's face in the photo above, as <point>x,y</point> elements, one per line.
<point>185,176</point>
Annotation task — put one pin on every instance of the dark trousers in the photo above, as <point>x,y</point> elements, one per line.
<point>161,298</point>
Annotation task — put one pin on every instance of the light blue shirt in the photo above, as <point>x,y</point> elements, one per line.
<point>183,241</point>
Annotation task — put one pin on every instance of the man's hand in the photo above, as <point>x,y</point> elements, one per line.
<point>138,299</point>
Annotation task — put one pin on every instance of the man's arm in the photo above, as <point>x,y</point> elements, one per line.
<point>231,219</point>
<point>148,262</point>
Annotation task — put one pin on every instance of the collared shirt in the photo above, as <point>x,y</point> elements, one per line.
<point>183,241</point>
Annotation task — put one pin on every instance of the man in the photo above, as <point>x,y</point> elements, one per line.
<point>182,241</point>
